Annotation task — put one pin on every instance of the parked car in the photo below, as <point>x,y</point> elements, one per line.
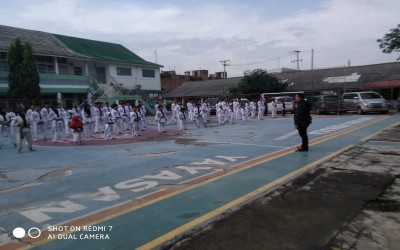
<point>213,105</point>
<point>243,101</point>
<point>279,99</point>
<point>365,102</point>
<point>322,104</point>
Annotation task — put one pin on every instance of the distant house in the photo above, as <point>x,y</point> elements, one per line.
<point>383,78</point>
<point>75,69</point>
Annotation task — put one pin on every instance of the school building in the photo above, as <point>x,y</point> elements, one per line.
<point>74,69</point>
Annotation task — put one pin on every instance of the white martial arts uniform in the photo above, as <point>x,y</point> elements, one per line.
<point>109,129</point>
<point>117,119</point>
<point>200,117</point>
<point>161,119</point>
<point>98,119</point>
<point>23,132</point>
<point>38,125</point>
<point>253,108</point>
<point>182,120</point>
<point>135,120</point>
<point>88,124</point>
<point>57,125</point>
<point>261,109</point>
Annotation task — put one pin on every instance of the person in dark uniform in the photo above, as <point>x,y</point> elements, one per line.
<point>302,119</point>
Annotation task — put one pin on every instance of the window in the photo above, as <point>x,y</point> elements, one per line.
<point>78,71</point>
<point>44,59</point>
<point>370,96</point>
<point>46,68</point>
<point>124,71</point>
<point>63,69</point>
<point>62,60</point>
<point>3,61</point>
<point>148,73</point>
<point>349,96</point>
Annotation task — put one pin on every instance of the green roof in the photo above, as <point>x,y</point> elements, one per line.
<point>102,51</point>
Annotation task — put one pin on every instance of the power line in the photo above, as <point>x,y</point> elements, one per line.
<point>259,62</point>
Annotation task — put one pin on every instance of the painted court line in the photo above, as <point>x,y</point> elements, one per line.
<point>150,194</point>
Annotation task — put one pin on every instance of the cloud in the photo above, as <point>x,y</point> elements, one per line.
<point>190,35</point>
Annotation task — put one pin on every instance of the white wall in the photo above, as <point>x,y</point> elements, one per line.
<point>136,78</point>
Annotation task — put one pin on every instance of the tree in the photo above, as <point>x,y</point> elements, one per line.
<point>258,81</point>
<point>391,41</point>
<point>23,77</point>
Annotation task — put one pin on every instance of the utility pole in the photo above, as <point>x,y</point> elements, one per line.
<point>155,54</point>
<point>297,58</point>
<point>225,63</point>
<point>312,71</point>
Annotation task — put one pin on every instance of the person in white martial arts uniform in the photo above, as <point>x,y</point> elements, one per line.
<point>29,111</point>
<point>206,111</point>
<point>161,119</point>
<point>261,109</point>
<point>38,124</point>
<point>231,115</point>
<point>190,109</point>
<point>87,119</point>
<point>4,123</point>
<point>253,109</point>
<point>124,111</point>
<point>244,113</point>
<point>98,113</point>
<point>220,115</point>
<point>23,130</point>
<point>274,107</point>
<point>177,108</point>
<point>236,108</point>
<point>173,112</point>
<point>182,118</point>
<point>45,113</point>
<point>57,123</point>
<point>200,115</point>
<point>135,120</point>
<point>109,129</point>
<point>225,107</point>
<point>117,119</point>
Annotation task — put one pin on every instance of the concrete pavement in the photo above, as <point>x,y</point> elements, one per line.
<point>150,193</point>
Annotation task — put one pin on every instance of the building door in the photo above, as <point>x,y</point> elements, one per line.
<point>101,75</point>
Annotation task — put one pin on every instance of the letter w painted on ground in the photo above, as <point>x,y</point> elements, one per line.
<point>38,214</point>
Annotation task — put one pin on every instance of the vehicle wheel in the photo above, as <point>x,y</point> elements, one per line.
<point>384,112</point>
<point>359,111</point>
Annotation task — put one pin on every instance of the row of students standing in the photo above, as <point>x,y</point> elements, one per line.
<point>56,120</point>
<point>195,112</point>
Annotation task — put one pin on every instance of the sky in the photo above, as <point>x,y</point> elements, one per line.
<point>185,35</point>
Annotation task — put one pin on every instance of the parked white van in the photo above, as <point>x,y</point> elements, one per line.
<point>288,100</point>
<point>365,102</point>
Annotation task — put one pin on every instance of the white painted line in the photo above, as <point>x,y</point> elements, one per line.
<point>15,189</point>
<point>245,144</point>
